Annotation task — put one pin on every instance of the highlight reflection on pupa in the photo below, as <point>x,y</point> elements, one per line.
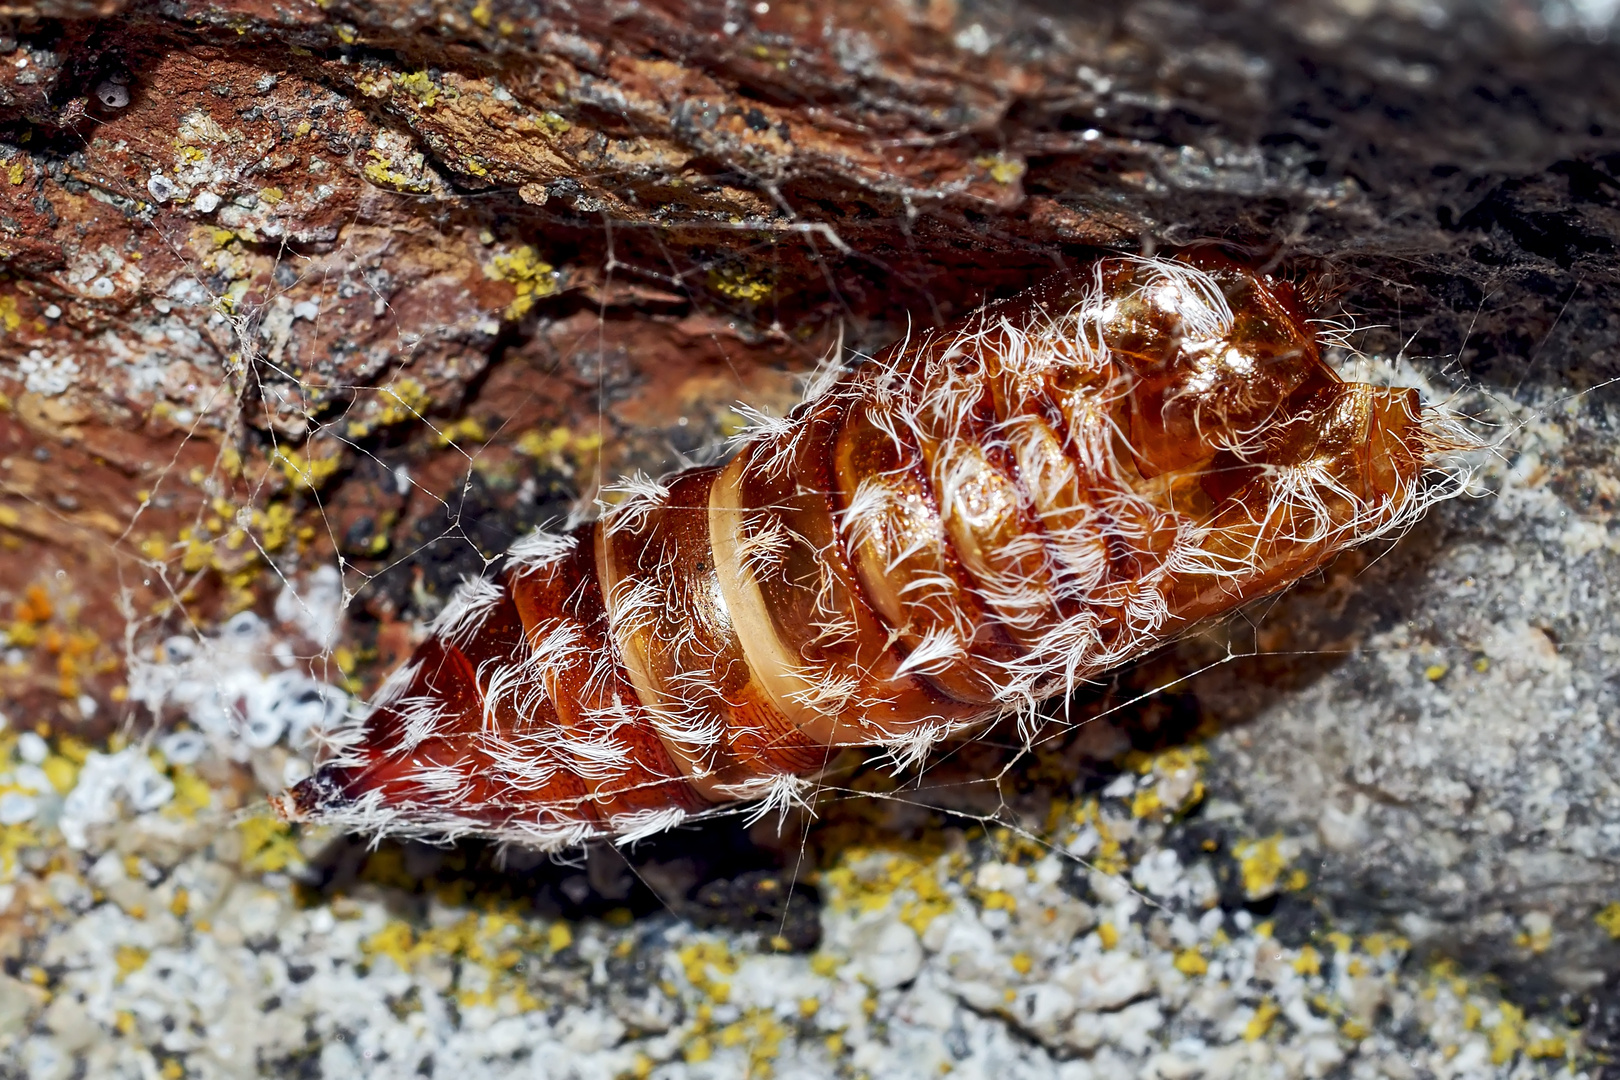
<point>977,520</point>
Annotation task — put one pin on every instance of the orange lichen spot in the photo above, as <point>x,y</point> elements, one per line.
<point>35,606</point>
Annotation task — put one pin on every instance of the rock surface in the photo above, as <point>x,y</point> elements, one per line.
<point>309,309</point>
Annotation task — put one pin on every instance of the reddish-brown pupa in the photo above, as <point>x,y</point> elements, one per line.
<point>975,521</point>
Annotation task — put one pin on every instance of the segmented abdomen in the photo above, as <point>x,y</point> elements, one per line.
<point>953,532</point>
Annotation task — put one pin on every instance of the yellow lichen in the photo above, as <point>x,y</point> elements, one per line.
<point>13,839</point>
<point>1507,1034</point>
<point>760,1033</point>
<point>560,448</point>
<point>306,473</point>
<point>738,284</point>
<point>381,170</point>
<point>865,879</point>
<point>1378,944</point>
<point>467,429</point>
<point>129,960</point>
<point>1002,169</point>
<point>419,85</point>
<point>61,772</point>
<point>1609,919</point>
<point>1261,863</point>
<point>1260,1023</point>
<point>1552,1047</point>
<point>268,844</point>
<point>403,400</point>
<point>530,276</point>
<point>998,900</point>
<point>1191,962</point>
<point>1536,937</point>
<point>489,948</point>
<point>191,793</point>
<point>705,963</point>
<point>274,523</point>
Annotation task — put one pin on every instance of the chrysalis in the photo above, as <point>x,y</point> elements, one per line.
<point>977,520</point>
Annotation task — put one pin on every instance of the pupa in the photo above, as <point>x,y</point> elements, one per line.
<point>978,519</point>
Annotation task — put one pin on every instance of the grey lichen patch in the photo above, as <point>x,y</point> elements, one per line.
<point>1102,944</point>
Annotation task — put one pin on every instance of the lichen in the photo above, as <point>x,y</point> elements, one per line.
<point>531,278</point>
